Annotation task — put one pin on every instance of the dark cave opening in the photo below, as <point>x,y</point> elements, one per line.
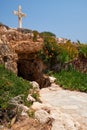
<point>31,68</point>
<point>25,69</point>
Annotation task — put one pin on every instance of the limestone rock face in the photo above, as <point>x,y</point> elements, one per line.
<point>8,57</point>
<point>3,29</point>
<point>18,53</point>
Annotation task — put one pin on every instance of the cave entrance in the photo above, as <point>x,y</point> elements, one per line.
<point>31,68</point>
<point>24,69</point>
<point>27,66</point>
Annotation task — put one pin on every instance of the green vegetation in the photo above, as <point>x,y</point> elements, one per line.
<point>35,33</point>
<point>54,53</point>
<point>82,50</point>
<point>69,50</point>
<point>47,34</point>
<point>49,52</point>
<point>57,56</point>
<point>72,80</point>
<point>12,86</point>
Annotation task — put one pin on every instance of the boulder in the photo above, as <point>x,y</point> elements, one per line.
<point>37,106</point>
<point>42,116</point>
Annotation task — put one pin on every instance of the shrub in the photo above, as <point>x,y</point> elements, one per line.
<point>35,33</point>
<point>47,34</point>
<point>57,54</point>
<point>82,48</point>
<point>49,52</point>
<point>70,50</point>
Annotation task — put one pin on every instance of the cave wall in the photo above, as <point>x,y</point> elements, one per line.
<point>32,68</point>
<point>8,57</point>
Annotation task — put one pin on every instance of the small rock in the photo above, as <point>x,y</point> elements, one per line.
<point>35,85</point>
<point>37,106</point>
<point>52,79</point>
<point>23,113</point>
<point>24,108</point>
<point>42,116</point>
<point>30,98</point>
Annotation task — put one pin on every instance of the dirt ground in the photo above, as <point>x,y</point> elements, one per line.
<point>29,124</point>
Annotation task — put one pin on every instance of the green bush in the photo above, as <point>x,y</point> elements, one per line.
<point>47,34</point>
<point>35,33</point>
<point>49,53</point>
<point>82,48</point>
<point>68,51</point>
<point>54,53</point>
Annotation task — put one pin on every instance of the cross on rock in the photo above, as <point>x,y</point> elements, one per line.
<point>20,15</point>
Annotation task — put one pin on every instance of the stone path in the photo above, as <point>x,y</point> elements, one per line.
<point>71,104</point>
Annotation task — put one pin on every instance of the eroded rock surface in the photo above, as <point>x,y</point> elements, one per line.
<point>68,108</point>
<point>18,53</point>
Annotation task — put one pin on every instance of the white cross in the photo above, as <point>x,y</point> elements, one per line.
<point>20,15</point>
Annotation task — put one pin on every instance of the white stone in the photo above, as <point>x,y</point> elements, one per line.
<point>35,85</point>
<point>38,106</point>
<point>42,116</point>
<point>24,108</point>
<point>30,98</point>
<point>52,79</point>
<point>23,113</point>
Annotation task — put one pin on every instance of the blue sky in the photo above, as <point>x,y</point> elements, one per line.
<point>65,18</point>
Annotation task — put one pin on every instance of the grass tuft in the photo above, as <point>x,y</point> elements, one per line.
<point>72,80</point>
<point>12,86</point>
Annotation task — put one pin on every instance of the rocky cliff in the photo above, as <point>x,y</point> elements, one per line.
<point>18,49</point>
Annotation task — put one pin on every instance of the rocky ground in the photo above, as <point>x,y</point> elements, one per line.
<point>68,108</point>
<point>28,124</point>
<point>59,110</point>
